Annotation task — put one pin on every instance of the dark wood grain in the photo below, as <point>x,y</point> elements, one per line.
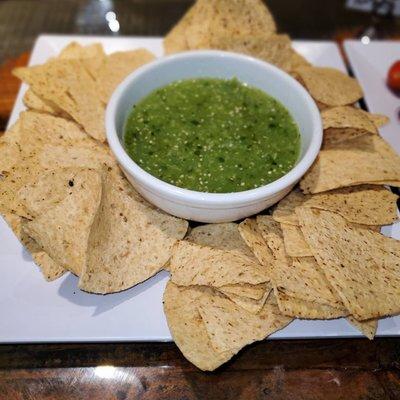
<point>298,369</point>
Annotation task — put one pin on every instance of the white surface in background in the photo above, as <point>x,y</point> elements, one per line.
<point>33,310</point>
<point>370,63</point>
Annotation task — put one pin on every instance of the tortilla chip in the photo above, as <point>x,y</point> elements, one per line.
<point>364,204</point>
<point>295,244</point>
<point>362,266</point>
<point>347,117</point>
<point>187,327</point>
<point>49,268</point>
<point>116,67</point>
<point>230,327</point>
<point>297,61</point>
<point>366,159</point>
<point>209,20</point>
<point>252,236</point>
<point>226,236</point>
<point>275,49</point>
<point>129,241</point>
<point>35,102</point>
<point>298,308</point>
<point>251,305</point>
<point>329,86</point>
<point>175,41</point>
<point>50,189</point>
<point>367,328</point>
<point>378,120</point>
<point>63,230</point>
<point>192,264</point>
<point>68,84</point>
<point>35,132</point>
<point>75,50</point>
<point>223,236</point>
<point>245,290</point>
<point>76,156</point>
<point>91,56</point>
<point>297,277</point>
<point>345,123</point>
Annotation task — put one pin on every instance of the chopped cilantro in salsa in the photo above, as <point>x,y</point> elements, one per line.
<point>212,135</point>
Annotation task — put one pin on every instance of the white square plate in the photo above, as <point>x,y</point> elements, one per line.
<point>32,310</point>
<point>370,63</point>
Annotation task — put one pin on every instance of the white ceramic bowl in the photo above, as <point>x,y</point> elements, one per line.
<point>213,207</point>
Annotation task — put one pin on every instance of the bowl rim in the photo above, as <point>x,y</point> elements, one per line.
<point>182,195</point>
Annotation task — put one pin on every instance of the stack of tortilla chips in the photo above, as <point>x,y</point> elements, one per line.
<point>61,189</point>
<point>219,297</point>
<point>321,249</point>
<point>320,254</point>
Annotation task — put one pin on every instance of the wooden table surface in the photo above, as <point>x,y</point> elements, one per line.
<point>293,369</point>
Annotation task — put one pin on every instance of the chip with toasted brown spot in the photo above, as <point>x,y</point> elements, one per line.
<point>361,265</point>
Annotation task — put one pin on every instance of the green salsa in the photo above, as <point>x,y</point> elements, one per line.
<point>212,135</point>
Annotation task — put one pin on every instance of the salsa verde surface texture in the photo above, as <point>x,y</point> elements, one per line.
<point>212,135</point>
